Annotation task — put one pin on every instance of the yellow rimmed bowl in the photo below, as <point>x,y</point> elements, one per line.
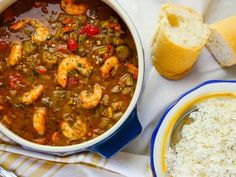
<point>162,134</point>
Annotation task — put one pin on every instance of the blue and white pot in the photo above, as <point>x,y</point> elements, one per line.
<point>122,133</point>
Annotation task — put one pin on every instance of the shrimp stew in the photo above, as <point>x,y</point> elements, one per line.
<point>68,70</point>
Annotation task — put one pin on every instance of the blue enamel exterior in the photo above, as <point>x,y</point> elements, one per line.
<point>168,110</point>
<point>110,146</point>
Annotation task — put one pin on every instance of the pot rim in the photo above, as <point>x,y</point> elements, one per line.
<point>83,146</point>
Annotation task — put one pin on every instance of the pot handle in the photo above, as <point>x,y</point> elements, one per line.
<point>129,130</point>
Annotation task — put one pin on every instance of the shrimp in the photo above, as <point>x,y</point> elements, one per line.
<point>55,137</point>
<point>29,97</point>
<point>110,63</point>
<point>39,120</point>
<point>90,100</point>
<point>41,32</point>
<point>131,68</point>
<point>15,53</point>
<point>72,62</point>
<point>74,132</point>
<point>73,9</point>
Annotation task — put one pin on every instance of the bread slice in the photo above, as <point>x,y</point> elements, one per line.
<point>222,41</point>
<point>181,34</point>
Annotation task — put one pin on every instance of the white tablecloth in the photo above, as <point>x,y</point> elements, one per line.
<point>160,92</point>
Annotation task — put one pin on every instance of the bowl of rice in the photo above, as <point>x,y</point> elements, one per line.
<point>207,147</point>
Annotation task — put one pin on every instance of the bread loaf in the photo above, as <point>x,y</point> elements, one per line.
<point>181,34</point>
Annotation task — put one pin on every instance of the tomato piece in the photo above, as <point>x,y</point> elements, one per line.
<point>72,44</point>
<point>68,21</point>
<point>41,69</point>
<point>114,26</point>
<point>67,29</point>
<point>3,46</point>
<point>89,30</point>
<point>73,81</point>
<point>15,80</point>
<point>117,28</point>
<point>109,47</point>
<point>62,48</point>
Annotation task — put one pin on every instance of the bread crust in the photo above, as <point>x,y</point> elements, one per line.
<point>227,29</point>
<point>172,60</point>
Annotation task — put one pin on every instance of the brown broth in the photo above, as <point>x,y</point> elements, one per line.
<point>63,104</point>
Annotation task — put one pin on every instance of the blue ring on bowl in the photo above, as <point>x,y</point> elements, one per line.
<point>153,138</point>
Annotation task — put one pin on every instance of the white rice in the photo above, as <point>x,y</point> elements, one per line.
<point>208,145</point>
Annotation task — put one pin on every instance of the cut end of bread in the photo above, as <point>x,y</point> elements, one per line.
<point>183,26</point>
<point>222,41</point>
<point>221,51</point>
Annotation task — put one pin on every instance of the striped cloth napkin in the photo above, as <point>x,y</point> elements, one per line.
<point>27,163</point>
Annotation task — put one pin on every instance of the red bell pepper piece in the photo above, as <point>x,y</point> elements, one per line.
<point>73,81</point>
<point>3,46</point>
<point>89,30</point>
<point>114,26</point>
<point>67,21</point>
<point>72,44</point>
<point>15,80</point>
<point>41,69</point>
<point>67,29</point>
